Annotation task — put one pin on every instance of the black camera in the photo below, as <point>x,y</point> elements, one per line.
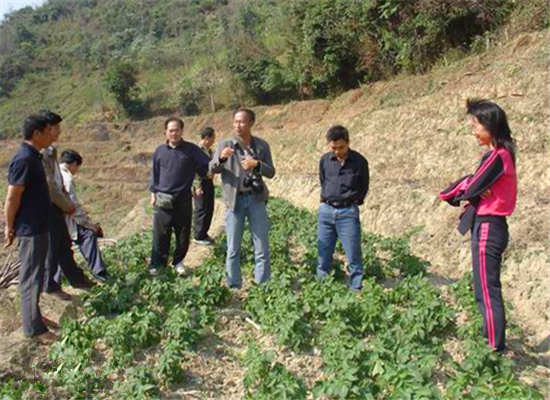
<point>253,182</point>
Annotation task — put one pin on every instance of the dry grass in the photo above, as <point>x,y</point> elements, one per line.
<point>413,132</point>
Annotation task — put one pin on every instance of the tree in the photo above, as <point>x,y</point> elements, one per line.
<point>120,80</point>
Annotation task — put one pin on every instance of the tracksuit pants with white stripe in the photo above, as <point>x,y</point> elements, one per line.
<point>489,240</point>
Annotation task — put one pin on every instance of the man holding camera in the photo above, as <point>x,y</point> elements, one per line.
<point>243,161</point>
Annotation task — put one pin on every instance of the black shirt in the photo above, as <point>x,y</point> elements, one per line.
<point>174,169</point>
<point>26,169</point>
<point>344,183</point>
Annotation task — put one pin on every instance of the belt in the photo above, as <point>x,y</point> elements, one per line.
<point>340,204</point>
<point>244,193</point>
<point>490,218</point>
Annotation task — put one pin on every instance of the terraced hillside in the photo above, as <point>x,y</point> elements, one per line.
<point>414,133</point>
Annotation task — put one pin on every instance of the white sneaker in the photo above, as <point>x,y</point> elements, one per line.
<point>204,242</point>
<point>180,269</point>
<point>153,271</point>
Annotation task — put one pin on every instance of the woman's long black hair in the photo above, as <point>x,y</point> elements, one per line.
<point>494,119</point>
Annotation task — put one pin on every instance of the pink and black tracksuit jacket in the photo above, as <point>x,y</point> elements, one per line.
<point>486,219</point>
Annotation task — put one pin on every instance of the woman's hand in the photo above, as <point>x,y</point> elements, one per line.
<point>486,194</point>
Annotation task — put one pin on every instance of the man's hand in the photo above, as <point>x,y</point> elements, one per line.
<point>153,199</point>
<point>71,210</point>
<point>95,228</point>
<point>226,153</point>
<point>486,194</point>
<point>9,236</point>
<point>249,164</point>
<point>11,207</point>
<point>198,192</point>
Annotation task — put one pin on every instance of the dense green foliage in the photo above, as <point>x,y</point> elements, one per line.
<point>136,332</point>
<point>202,55</point>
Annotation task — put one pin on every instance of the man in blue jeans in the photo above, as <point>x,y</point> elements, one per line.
<point>344,175</point>
<point>243,161</point>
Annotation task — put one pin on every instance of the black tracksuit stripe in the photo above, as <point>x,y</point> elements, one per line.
<point>484,178</point>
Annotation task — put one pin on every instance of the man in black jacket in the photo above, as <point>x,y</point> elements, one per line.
<point>344,175</point>
<point>204,193</point>
<point>174,166</point>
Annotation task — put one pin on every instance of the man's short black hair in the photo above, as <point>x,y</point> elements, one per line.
<point>336,133</point>
<point>34,123</point>
<point>70,157</point>
<point>172,119</point>
<point>207,132</point>
<point>54,118</point>
<point>251,115</point>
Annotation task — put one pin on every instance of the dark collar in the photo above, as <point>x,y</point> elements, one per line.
<point>350,156</point>
<point>235,141</point>
<point>181,143</point>
<point>31,148</point>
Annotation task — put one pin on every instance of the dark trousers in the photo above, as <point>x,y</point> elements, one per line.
<point>204,210</point>
<point>32,253</point>
<point>165,221</point>
<point>489,240</point>
<point>87,243</point>
<point>60,257</point>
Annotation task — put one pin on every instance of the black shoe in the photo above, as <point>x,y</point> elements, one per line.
<point>102,277</point>
<point>84,285</point>
<point>60,295</point>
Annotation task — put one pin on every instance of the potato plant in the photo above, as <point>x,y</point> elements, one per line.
<point>387,342</point>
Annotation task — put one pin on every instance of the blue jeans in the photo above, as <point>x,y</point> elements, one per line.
<point>256,213</point>
<point>340,223</point>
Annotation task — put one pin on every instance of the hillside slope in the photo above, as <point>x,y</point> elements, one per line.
<point>158,57</point>
<point>415,135</point>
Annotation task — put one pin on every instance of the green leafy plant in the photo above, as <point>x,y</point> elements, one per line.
<point>139,384</point>
<point>265,378</point>
<point>168,369</point>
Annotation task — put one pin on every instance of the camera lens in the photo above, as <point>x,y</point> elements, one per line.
<point>257,186</point>
<point>254,183</point>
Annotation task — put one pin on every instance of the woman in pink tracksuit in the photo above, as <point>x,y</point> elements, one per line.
<point>490,196</point>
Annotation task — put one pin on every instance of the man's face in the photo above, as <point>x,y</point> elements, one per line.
<point>242,125</point>
<point>42,139</point>
<point>209,141</point>
<point>73,168</point>
<point>174,132</point>
<point>339,147</point>
<point>55,132</point>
